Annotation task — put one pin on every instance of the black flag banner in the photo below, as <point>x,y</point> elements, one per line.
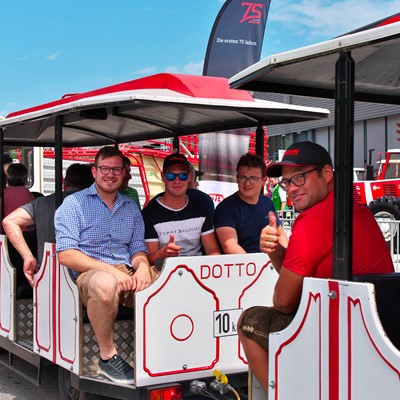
<point>236,38</point>
<point>235,43</point>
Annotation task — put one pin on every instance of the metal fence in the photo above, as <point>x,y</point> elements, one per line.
<point>389,227</point>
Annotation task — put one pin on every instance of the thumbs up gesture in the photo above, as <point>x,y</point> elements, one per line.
<point>270,235</point>
<point>171,249</point>
<point>272,220</point>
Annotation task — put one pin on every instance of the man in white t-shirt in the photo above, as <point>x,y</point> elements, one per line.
<point>175,224</point>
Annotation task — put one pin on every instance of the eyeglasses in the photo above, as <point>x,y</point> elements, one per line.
<point>252,179</point>
<point>296,180</point>
<point>170,176</point>
<point>106,170</point>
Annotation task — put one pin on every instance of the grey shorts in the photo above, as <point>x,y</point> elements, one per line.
<point>258,322</point>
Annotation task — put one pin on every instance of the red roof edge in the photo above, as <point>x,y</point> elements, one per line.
<point>191,85</point>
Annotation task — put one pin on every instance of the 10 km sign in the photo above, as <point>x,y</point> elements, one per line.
<point>225,322</point>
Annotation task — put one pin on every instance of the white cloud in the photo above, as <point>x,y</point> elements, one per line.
<point>328,18</point>
<point>8,107</point>
<point>194,68</point>
<point>173,69</point>
<point>146,71</point>
<point>53,56</point>
<point>190,68</point>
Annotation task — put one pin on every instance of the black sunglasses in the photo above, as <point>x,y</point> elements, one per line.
<point>170,176</point>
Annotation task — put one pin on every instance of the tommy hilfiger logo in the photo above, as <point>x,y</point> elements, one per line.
<point>253,11</point>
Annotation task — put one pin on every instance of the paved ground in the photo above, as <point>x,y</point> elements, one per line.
<point>15,387</point>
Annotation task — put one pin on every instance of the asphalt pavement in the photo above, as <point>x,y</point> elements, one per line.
<point>15,387</point>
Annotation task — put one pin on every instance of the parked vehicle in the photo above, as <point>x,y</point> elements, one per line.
<point>382,194</point>
<point>358,174</point>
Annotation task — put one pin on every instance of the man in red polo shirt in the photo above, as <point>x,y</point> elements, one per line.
<point>307,177</point>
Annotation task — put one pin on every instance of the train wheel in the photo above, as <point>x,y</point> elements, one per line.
<point>387,209</point>
<point>66,390</point>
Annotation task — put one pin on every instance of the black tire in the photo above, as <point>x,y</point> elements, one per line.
<point>66,390</point>
<point>389,208</point>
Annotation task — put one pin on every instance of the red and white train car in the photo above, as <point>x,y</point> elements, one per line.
<point>184,324</point>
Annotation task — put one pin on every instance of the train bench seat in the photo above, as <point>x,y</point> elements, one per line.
<point>387,295</point>
<point>23,289</point>
<point>124,313</point>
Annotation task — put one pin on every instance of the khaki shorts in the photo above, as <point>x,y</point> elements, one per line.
<point>258,322</point>
<point>127,299</point>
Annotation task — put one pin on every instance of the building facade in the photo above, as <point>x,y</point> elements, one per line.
<point>371,119</point>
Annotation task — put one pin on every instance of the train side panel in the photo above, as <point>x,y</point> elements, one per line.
<point>186,322</point>
<point>334,347</point>
<point>56,313</point>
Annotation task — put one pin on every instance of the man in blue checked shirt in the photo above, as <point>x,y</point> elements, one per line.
<point>100,236</point>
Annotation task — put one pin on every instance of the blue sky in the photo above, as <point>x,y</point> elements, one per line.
<point>50,48</point>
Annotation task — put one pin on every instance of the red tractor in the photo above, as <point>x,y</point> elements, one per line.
<point>382,193</point>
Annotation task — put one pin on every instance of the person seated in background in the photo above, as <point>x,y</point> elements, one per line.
<point>7,161</point>
<point>196,175</point>
<point>278,196</point>
<point>240,218</point>
<point>124,188</point>
<point>4,182</point>
<point>308,179</point>
<point>195,193</point>
<point>39,213</point>
<point>37,194</point>
<point>174,223</point>
<point>16,193</point>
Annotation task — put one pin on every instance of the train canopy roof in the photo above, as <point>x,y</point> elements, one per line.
<point>310,71</point>
<point>154,107</point>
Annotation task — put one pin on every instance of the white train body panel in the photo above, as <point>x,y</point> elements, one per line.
<point>56,315</point>
<point>7,293</point>
<point>186,320</point>
<point>335,348</point>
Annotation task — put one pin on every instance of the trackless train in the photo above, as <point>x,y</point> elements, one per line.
<point>183,326</point>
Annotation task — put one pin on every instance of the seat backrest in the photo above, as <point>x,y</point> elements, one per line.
<point>387,294</point>
<point>24,289</point>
